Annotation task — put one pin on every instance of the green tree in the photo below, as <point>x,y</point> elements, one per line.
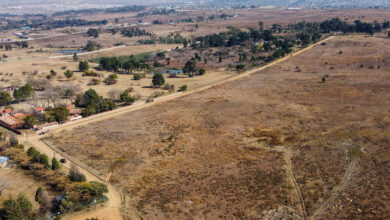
<point>190,66</point>
<point>202,71</point>
<point>183,88</point>
<point>44,159</point>
<point>53,73</point>
<point>55,165</point>
<point>126,97</point>
<point>75,175</point>
<point>11,210</point>
<point>38,194</point>
<point>158,80</point>
<point>29,121</point>
<point>23,92</point>
<point>25,205</point>
<point>60,113</point>
<point>75,57</point>
<point>32,152</point>
<point>83,66</point>
<point>93,32</point>
<point>5,98</point>
<point>68,74</point>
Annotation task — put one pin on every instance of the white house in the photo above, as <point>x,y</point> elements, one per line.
<point>3,161</point>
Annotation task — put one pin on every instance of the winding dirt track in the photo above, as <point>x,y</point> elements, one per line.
<point>112,207</point>
<point>337,190</point>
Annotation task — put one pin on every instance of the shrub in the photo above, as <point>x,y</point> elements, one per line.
<point>111,79</point>
<point>75,175</point>
<point>93,82</point>
<point>183,88</point>
<point>90,73</point>
<point>137,77</point>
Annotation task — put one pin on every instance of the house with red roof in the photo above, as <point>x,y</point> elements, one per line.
<point>72,110</point>
<point>6,111</point>
<point>39,109</point>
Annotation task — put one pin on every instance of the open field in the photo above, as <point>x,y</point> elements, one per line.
<point>17,182</point>
<point>278,143</point>
<point>24,63</point>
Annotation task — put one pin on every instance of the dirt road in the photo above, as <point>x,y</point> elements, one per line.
<point>112,208</point>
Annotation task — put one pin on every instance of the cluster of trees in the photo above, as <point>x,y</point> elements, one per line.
<point>156,12</point>
<point>170,39</point>
<point>23,92</point>
<point>77,194</point>
<point>48,24</point>
<point>191,67</point>
<point>17,209</point>
<point>93,103</point>
<point>93,32</point>
<point>134,32</point>
<point>124,64</point>
<point>92,46</point>
<point>130,8</point>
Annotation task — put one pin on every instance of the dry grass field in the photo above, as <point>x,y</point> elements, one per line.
<point>278,143</point>
<point>17,182</point>
<point>24,63</point>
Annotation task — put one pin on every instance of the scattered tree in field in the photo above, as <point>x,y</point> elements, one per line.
<point>53,73</point>
<point>158,80</point>
<point>75,57</point>
<point>68,74</point>
<point>202,71</point>
<point>137,77</point>
<point>111,79</point>
<point>183,88</point>
<point>83,66</point>
<point>190,66</point>
<point>126,97</point>
<point>29,121</point>
<point>92,46</point>
<point>5,98</point>
<point>55,165</point>
<point>93,32</point>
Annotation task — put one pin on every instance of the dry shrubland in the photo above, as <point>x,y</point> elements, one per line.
<point>217,154</point>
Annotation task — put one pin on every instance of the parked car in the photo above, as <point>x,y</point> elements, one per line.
<point>63,160</point>
<point>42,133</point>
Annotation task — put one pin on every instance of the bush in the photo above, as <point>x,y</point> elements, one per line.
<point>202,71</point>
<point>90,73</point>
<point>75,175</point>
<point>93,82</point>
<point>137,77</point>
<point>111,79</point>
<point>183,88</point>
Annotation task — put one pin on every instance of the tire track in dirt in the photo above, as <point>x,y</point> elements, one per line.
<point>337,190</point>
<point>287,154</point>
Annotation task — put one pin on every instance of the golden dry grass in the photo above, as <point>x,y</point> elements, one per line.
<point>211,154</point>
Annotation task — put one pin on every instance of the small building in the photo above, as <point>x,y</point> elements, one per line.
<point>39,109</point>
<point>3,161</point>
<point>6,111</point>
<point>72,110</point>
<point>10,121</point>
<point>74,117</point>
<point>46,126</point>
